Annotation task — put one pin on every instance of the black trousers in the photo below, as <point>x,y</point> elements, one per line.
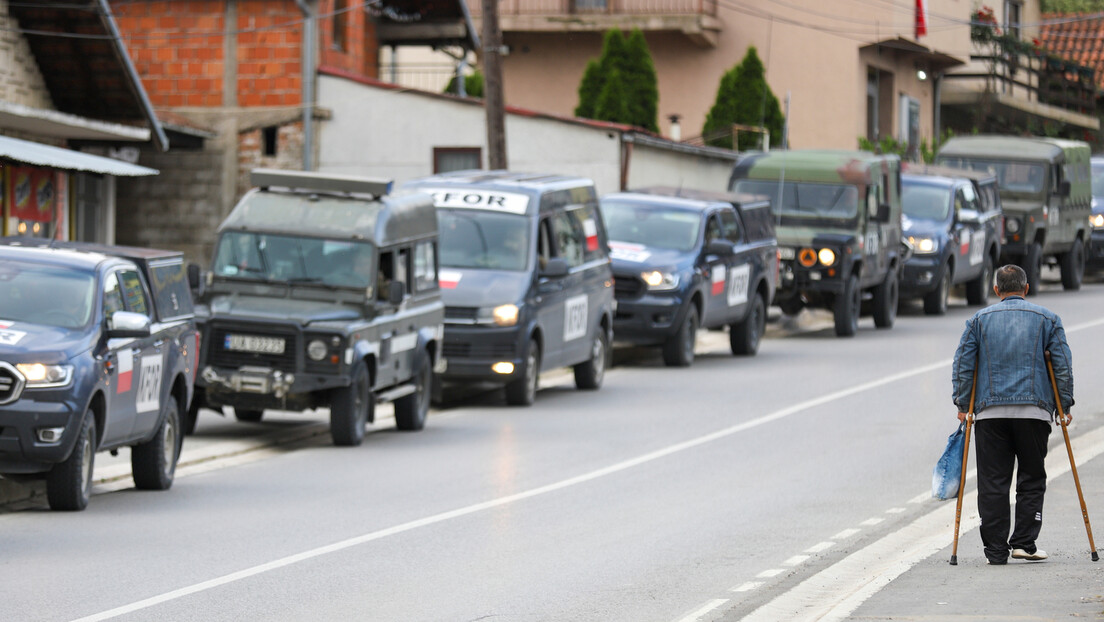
<point>1002,444</point>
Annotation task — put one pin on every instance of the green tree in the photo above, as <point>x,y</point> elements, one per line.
<point>745,98</point>
<point>473,84</point>
<point>632,63</point>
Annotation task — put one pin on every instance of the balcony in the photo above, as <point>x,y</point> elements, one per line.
<point>696,19</point>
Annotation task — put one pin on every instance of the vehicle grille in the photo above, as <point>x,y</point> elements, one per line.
<point>464,314</point>
<point>220,357</point>
<point>468,350</point>
<point>10,384</point>
<point>627,287</point>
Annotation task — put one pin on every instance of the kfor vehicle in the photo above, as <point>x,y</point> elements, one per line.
<point>98,351</point>
<point>684,259</point>
<point>952,219</point>
<point>839,229</point>
<point>1095,260</point>
<point>1046,195</point>
<point>525,276</point>
<point>322,293</point>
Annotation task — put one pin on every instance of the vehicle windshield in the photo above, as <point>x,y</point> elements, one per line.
<point>483,239</point>
<point>651,225</point>
<point>47,295</point>
<point>1026,177</point>
<point>286,258</point>
<point>1098,182</point>
<point>806,199</point>
<point>925,201</point>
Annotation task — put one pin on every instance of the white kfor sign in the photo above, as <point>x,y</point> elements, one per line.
<point>149,384</point>
<point>738,285</point>
<point>575,317</point>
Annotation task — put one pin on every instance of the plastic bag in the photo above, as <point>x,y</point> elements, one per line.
<point>948,471</point>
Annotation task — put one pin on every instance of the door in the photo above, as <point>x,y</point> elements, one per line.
<point>874,237</point>
<point>140,362</point>
<point>969,233</point>
<point>397,336</point>
<point>738,265</point>
<point>549,298</point>
<point>570,242</point>
<point>716,311</point>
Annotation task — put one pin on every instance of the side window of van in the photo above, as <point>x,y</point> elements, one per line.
<point>568,236</point>
<point>544,242</point>
<point>425,266</point>
<point>588,220</point>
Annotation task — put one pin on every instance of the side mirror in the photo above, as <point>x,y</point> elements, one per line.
<point>556,267</point>
<point>883,213</point>
<point>722,248</point>
<point>395,292</point>
<point>969,216</point>
<point>123,324</point>
<point>1064,188</point>
<point>196,282</point>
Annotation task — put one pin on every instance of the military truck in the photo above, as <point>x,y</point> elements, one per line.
<point>1046,193</point>
<point>839,230</point>
<point>322,292</point>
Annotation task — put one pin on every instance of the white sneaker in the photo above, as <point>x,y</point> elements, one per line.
<point>1038,556</point>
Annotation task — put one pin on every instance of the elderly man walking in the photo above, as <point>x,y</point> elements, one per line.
<point>1014,405</point>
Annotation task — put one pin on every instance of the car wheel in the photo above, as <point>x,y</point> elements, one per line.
<point>69,483</point>
<point>411,410</point>
<point>935,301</point>
<point>1032,263</point>
<point>744,336</point>
<point>977,290</point>
<point>847,307</point>
<point>523,390</point>
<point>589,374</point>
<point>153,463</point>
<point>885,300</point>
<point>248,415</point>
<point>349,407</point>
<point>678,350</point>
<point>1073,266</point>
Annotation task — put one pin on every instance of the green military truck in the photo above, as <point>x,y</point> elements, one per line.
<point>839,229</point>
<point>1046,192</point>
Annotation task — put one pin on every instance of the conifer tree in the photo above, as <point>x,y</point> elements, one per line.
<point>744,97</point>
<point>639,76</point>
<point>632,63</point>
<point>612,104</point>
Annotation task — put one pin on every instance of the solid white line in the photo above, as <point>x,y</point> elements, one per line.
<point>845,534</point>
<point>747,587</point>
<point>819,547</point>
<point>796,560</point>
<point>710,606</point>
<point>500,501</point>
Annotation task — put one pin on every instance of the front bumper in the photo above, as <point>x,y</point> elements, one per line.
<point>921,275</point>
<point>264,387</point>
<point>20,450</point>
<point>649,319</point>
<point>472,350</point>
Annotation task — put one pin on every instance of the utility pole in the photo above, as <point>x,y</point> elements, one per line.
<point>492,86</point>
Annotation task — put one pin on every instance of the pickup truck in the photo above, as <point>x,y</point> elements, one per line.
<point>684,260</point>
<point>98,350</point>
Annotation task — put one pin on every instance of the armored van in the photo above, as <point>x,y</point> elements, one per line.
<point>684,259</point>
<point>953,220</point>
<point>98,350</point>
<point>1046,193</point>
<point>525,276</point>
<point>322,293</point>
<point>839,229</point>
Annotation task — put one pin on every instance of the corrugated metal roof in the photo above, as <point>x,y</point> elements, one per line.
<point>38,154</point>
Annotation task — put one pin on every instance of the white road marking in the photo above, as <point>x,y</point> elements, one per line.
<point>698,613</point>
<point>845,534</point>
<point>870,522</point>
<point>796,560</point>
<point>747,587</point>
<point>773,572</point>
<point>819,547</point>
<point>895,510</point>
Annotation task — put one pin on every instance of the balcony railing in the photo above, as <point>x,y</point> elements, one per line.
<point>601,7</point>
<point>1038,78</point>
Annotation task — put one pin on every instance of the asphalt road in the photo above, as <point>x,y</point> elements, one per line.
<point>670,494</point>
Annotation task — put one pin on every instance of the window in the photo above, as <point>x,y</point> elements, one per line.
<point>340,23</point>
<point>713,229</point>
<point>425,267</point>
<point>113,295</point>
<point>587,220</point>
<point>568,238</point>
<point>1013,15</point>
<point>730,226</point>
<point>394,268</point>
<point>270,135</point>
<point>446,159</point>
<point>544,242</point>
<point>134,294</point>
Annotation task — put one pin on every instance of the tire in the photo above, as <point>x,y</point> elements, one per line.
<point>589,374</point>
<point>678,350</point>
<point>248,415</point>
<point>69,483</point>
<point>523,391</point>
<point>1032,263</point>
<point>1073,266</point>
<point>977,290</point>
<point>349,408</point>
<point>744,336</point>
<point>885,300</point>
<point>153,463</point>
<point>411,410</point>
<point>935,301</point>
<point>847,307</point>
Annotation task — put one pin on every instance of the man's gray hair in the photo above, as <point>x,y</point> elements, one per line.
<point>1011,279</point>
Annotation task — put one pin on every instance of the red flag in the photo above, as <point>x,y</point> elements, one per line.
<point>921,19</point>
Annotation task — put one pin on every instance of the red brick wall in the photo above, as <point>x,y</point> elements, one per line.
<point>270,35</point>
<point>360,54</point>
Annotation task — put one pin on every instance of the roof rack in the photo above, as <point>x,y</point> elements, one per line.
<point>326,182</point>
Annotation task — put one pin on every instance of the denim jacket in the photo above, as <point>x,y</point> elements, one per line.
<point>1006,341</point>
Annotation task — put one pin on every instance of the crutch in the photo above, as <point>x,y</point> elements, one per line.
<point>962,477</point>
<point>1069,450</point>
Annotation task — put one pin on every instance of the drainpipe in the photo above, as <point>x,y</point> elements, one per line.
<point>309,44</point>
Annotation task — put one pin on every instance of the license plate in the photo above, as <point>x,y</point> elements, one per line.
<point>252,343</point>
<point>785,253</point>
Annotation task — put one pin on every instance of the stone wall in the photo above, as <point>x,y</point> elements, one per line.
<point>20,79</point>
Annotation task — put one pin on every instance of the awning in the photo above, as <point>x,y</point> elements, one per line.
<point>38,154</point>
<point>937,60</point>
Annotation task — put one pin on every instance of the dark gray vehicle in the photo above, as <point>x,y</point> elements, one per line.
<point>1095,260</point>
<point>322,293</point>
<point>525,276</point>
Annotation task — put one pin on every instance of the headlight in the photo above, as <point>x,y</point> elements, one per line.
<point>39,376</point>
<point>1097,221</point>
<point>316,350</point>
<point>505,315</point>
<point>660,280</point>
<point>1012,225</point>
<point>827,256</point>
<point>922,246</point>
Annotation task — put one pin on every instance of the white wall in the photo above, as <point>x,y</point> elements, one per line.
<point>650,166</point>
